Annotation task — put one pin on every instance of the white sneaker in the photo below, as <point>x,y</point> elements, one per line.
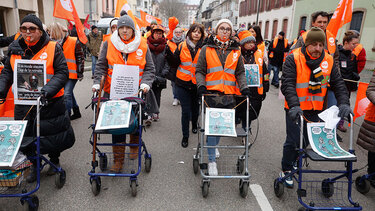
<point>212,169</point>
<point>175,102</point>
<point>217,153</point>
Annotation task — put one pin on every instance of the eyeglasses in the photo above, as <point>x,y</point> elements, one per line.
<point>178,32</point>
<point>225,29</point>
<point>31,29</point>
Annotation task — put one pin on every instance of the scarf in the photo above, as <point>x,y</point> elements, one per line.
<point>126,48</point>
<point>176,39</point>
<point>190,43</point>
<point>316,76</point>
<point>156,46</point>
<point>221,44</point>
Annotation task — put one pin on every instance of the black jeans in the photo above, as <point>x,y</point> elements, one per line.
<point>371,162</point>
<point>189,108</point>
<point>157,92</point>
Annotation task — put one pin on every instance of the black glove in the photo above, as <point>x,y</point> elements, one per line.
<point>246,92</point>
<point>345,111</point>
<point>295,112</point>
<point>43,98</point>
<point>201,91</point>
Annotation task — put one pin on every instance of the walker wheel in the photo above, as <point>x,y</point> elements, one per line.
<point>240,165</point>
<point>278,187</point>
<point>31,206</point>
<point>60,178</point>
<point>362,186</point>
<point>96,186</point>
<point>205,187</point>
<point>195,165</point>
<point>148,162</point>
<point>133,187</point>
<point>327,188</point>
<point>244,188</point>
<point>103,162</point>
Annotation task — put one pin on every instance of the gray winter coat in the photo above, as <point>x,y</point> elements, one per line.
<point>366,136</point>
<point>161,68</point>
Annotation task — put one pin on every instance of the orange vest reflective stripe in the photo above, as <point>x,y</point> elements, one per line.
<point>172,46</point>
<point>17,36</point>
<point>136,58</point>
<point>106,37</point>
<point>330,41</point>
<point>186,70</point>
<point>357,50</point>
<point>370,113</point>
<point>47,53</point>
<point>219,78</point>
<point>69,48</point>
<point>307,100</point>
<point>259,61</point>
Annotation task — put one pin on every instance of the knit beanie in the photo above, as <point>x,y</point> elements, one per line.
<point>33,19</point>
<point>315,34</point>
<point>223,21</point>
<point>245,36</point>
<point>126,20</point>
<point>113,22</point>
<point>93,27</point>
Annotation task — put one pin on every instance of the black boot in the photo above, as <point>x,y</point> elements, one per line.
<point>32,176</point>
<point>76,114</point>
<point>185,142</point>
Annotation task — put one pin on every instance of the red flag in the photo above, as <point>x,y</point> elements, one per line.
<point>149,18</point>
<point>85,23</point>
<point>7,109</point>
<point>341,16</point>
<point>65,9</point>
<point>361,101</point>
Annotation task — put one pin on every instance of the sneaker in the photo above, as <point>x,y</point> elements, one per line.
<point>185,142</point>
<point>155,117</point>
<point>175,102</point>
<point>341,128</point>
<point>194,130</point>
<point>295,165</point>
<point>212,169</point>
<point>148,121</point>
<point>288,181</point>
<point>217,153</point>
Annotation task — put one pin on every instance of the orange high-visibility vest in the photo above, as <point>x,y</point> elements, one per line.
<point>330,40</point>
<point>136,58</point>
<point>259,61</point>
<point>106,37</point>
<point>69,48</point>
<point>17,36</point>
<point>370,113</point>
<point>307,100</point>
<point>274,44</point>
<point>47,53</point>
<point>357,50</point>
<point>186,70</point>
<point>262,47</point>
<point>172,46</point>
<point>219,78</point>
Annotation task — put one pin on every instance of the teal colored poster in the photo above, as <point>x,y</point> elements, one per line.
<point>252,75</point>
<point>114,114</point>
<point>220,122</point>
<point>323,141</point>
<point>11,134</point>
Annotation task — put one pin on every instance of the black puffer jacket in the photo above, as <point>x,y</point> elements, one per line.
<point>348,68</point>
<point>288,85</point>
<point>56,131</point>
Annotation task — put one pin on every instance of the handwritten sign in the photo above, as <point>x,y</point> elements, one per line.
<point>125,81</point>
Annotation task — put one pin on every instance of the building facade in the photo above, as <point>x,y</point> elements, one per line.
<point>191,11</point>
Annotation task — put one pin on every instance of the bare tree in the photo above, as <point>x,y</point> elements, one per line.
<point>176,8</point>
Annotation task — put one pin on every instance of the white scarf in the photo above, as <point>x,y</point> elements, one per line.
<point>126,48</point>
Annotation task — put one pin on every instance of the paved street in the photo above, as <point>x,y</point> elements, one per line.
<point>171,184</point>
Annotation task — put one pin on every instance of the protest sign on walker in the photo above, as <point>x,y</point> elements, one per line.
<point>11,134</point>
<point>29,78</point>
<point>220,122</point>
<point>252,75</point>
<point>125,81</point>
<point>114,114</point>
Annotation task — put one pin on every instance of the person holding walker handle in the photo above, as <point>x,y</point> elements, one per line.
<point>126,46</point>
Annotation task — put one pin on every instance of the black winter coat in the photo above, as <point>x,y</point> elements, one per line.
<point>348,68</point>
<point>56,131</point>
<point>278,53</point>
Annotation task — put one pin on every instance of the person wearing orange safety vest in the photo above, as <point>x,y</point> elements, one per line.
<point>56,132</point>
<point>74,58</point>
<point>276,54</point>
<point>183,63</point>
<point>360,53</point>
<point>307,72</point>
<point>367,132</point>
<point>113,28</point>
<point>126,47</point>
<point>253,56</point>
<point>220,70</point>
<point>6,41</point>
<point>261,46</point>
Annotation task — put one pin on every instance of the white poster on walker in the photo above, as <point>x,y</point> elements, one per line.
<point>125,81</point>
<point>220,122</point>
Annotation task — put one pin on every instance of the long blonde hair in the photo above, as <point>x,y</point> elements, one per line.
<point>56,31</point>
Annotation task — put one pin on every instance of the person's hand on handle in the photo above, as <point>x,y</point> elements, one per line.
<point>95,88</point>
<point>345,111</point>
<point>295,112</point>
<point>145,88</point>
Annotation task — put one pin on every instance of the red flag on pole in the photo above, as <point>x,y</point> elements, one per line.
<point>341,16</point>
<point>85,23</point>
<point>149,18</point>
<point>65,9</point>
<point>361,101</point>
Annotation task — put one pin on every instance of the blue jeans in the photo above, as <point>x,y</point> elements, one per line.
<point>70,100</point>
<point>292,142</point>
<point>189,108</point>
<point>331,99</point>
<point>212,141</point>
<point>275,70</point>
<point>174,91</point>
<point>93,64</point>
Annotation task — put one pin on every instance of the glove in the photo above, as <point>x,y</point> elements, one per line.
<point>246,92</point>
<point>295,112</point>
<point>95,87</point>
<point>345,111</point>
<point>145,87</point>
<point>43,98</point>
<point>201,91</point>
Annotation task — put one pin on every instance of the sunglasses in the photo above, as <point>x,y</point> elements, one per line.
<point>31,29</point>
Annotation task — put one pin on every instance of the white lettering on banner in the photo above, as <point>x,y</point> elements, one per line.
<point>66,5</point>
<point>149,18</point>
<point>126,7</point>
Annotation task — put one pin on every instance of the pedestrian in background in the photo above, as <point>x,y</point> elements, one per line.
<point>183,63</point>
<point>113,28</point>
<point>360,52</point>
<point>95,39</point>
<point>74,58</point>
<point>277,49</point>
